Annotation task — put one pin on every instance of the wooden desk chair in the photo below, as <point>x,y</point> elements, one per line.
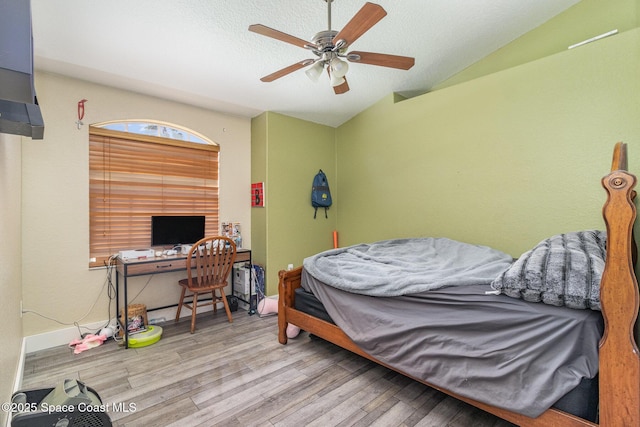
<point>209,265</point>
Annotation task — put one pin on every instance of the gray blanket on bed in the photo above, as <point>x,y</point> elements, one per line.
<point>499,350</point>
<point>407,266</point>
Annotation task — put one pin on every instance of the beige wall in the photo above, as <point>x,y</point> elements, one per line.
<point>10,262</point>
<point>55,279</point>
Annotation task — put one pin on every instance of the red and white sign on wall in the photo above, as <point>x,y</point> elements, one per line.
<point>257,195</point>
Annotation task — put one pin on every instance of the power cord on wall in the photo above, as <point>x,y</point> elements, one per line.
<point>143,288</point>
<point>108,284</point>
<point>112,294</point>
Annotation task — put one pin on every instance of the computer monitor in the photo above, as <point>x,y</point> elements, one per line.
<point>176,230</point>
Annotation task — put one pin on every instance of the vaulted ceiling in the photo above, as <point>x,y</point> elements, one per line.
<point>200,52</point>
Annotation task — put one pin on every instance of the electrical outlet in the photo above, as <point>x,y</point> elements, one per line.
<point>290,267</point>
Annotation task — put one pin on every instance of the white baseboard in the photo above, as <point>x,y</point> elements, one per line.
<point>64,336</point>
<point>58,337</point>
<point>17,382</point>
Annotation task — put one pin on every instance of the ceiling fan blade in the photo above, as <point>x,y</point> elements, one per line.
<point>381,59</point>
<point>343,88</point>
<point>366,18</point>
<point>287,70</point>
<point>279,35</point>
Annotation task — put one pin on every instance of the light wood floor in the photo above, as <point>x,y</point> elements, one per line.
<point>239,375</point>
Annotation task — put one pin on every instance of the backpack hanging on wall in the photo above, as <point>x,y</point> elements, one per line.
<point>320,194</point>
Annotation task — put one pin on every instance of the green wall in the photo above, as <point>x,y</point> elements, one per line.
<point>259,174</point>
<point>584,20</point>
<point>288,153</point>
<point>503,160</point>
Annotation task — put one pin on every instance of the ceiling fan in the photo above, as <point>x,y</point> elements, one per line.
<point>330,46</point>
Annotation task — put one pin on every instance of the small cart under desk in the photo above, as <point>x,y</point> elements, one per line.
<point>126,268</point>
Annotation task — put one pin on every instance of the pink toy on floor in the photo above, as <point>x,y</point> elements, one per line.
<point>89,341</point>
<point>268,306</point>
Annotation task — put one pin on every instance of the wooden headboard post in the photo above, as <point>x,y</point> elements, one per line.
<point>619,359</point>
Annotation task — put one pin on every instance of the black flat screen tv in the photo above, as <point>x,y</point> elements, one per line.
<point>176,230</point>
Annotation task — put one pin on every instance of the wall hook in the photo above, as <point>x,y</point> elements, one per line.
<point>80,112</point>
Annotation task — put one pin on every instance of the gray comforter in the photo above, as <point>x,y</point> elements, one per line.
<point>407,266</point>
<point>503,351</point>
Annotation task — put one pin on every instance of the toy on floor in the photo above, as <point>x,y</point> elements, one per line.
<point>268,306</point>
<point>87,342</point>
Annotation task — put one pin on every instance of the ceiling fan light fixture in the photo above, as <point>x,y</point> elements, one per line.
<point>314,71</point>
<point>338,68</point>
<point>336,80</point>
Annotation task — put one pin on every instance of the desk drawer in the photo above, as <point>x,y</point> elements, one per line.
<point>156,267</point>
<point>243,256</point>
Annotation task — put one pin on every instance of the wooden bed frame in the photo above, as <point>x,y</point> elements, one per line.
<point>619,362</point>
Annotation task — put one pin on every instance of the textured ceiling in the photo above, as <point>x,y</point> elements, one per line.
<point>200,51</point>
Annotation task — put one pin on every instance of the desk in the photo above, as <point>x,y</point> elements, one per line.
<point>126,268</point>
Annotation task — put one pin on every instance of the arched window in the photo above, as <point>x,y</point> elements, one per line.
<point>154,128</point>
<point>139,169</point>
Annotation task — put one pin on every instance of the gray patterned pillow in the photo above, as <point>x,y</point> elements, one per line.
<point>563,270</point>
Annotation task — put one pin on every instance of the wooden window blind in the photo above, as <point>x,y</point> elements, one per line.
<point>133,177</point>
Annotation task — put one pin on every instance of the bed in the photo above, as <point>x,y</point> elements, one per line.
<point>601,366</point>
